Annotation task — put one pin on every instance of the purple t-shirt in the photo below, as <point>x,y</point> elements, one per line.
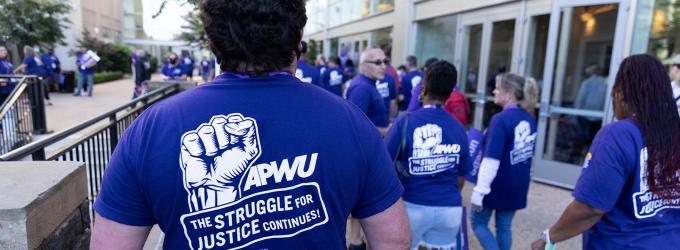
<point>263,163</point>
<point>436,154</point>
<point>363,94</point>
<point>173,72</point>
<point>307,73</point>
<point>511,139</point>
<point>34,66</point>
<point>332,80</point>
<point>414,104</point>
<point>613,180</point>
<point>408,84</point>
<point>387,90</point>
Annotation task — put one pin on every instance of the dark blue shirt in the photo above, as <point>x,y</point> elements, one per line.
<point>6,67</point>
<point>173,72</point>
<point>511,139</point>
<point>47,64</point>
<point>6,85</point>
<point>34,66</point>
<point>387,89</point>
<point>262,163</point>
<point>332,79</point>
<point>363,94</point>
<point>408,84</point>
<point>206,66</point>
<point>613,180</point>
<point>436,154</point>
<point>187,64</point>
<point>307,73</point>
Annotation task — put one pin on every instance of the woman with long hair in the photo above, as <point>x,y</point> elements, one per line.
<point>628,195</point>
<point>504,174</point>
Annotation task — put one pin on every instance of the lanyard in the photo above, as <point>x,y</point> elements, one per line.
<point>226,75</point>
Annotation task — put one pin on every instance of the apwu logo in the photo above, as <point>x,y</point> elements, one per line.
<point>646,203</point>
<point>523,149</point>
<point>217,159</point>
<point>429,155</point>
<point>301,75</point>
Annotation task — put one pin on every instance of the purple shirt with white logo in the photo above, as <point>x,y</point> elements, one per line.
<point>436,154</point>
<point>363,93</point>
<point>613,180</point>
<point>262,162</point>
<point>511,139</point>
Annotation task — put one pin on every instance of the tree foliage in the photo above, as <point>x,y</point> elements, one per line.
<point>33,22</point>
<point>193,33</point>
<point>114,57</point>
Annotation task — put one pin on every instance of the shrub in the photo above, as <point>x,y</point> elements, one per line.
<point>107,76</point>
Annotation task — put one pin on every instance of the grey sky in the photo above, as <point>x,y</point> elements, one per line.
<point>168,24</point>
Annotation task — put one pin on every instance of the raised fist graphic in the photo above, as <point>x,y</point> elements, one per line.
<point>425,138</point>
<point>216,156</point>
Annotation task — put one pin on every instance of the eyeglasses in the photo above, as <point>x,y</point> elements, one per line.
<point>378,62</point>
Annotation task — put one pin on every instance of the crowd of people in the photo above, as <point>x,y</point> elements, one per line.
<point>276,153</point>
<point>47,67</point>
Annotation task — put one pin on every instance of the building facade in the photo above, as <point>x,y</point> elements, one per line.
<point>552,41</point>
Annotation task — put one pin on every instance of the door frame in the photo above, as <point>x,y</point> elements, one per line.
<point>550,171</point>
<point>486,18</point>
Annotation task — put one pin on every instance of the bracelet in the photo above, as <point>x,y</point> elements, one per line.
<point>545,236</point>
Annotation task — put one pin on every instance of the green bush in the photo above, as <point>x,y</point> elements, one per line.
<point>107,76</point>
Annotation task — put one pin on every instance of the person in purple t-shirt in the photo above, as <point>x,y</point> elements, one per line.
<point>628,194</point>
<point>415,103</point>
<point>504,173</point>
<point>362,89</point>
<point>409,82</point>
<point>431,146</point>
<point>174,69</point>
<point>255,159</point>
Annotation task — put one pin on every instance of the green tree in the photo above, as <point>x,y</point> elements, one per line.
<point>193,33</point>
<point>32,22</point>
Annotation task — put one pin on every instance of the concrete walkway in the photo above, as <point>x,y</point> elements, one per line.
<point>546,203</point>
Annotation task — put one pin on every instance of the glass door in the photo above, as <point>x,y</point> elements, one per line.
<point>584,50</point>
<point>489,47</point>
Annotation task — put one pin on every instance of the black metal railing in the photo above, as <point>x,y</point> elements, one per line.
<point>22,113</point>
<point>96,139</point>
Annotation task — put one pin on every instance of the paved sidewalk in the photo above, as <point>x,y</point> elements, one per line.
<point>546,203</point>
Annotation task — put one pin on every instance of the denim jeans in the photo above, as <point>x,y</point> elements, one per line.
<point>433,227</point>
<point>90,82</point>
<point>480,221</point>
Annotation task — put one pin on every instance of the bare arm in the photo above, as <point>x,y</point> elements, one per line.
<point>461,183</point>
<point>388,229</point>
<point>108,234</point>
<point>576,219</point>
<point>393,109</point>
<point>20,68</point>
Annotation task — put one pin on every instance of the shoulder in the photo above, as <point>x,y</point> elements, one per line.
<point>621,131</point>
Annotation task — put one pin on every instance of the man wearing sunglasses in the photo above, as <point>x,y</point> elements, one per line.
<point>363,89</point>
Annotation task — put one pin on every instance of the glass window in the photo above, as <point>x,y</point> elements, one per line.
<point>470,64</point>
<point>500,59</point>
<point>538,41</point>
<point>436,37</point>
<point>657,29</point>
<point>382,39</point>
<point>578,95</point>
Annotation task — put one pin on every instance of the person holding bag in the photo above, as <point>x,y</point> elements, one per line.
<point>430,149</point>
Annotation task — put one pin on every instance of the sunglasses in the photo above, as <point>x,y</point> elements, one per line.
<point>378,62</point>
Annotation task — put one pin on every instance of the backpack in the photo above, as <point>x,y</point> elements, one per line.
<point>458,106</point>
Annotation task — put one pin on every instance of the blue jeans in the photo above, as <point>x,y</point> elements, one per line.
<point>480,221</point>
<point>433,227</point>
<point>90,82</point>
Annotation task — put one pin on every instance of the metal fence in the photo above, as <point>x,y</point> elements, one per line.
<point>96,139</point>
<point>22,112</point>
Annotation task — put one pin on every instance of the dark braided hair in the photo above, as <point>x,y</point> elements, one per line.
<point>254,36</point>
<point>645,88</point>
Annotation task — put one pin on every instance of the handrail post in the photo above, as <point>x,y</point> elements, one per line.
<point>113,131</point>
<point>37,106</point>
<point>38,155</point>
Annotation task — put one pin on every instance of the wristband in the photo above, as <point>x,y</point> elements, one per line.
<point>545,236</point>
